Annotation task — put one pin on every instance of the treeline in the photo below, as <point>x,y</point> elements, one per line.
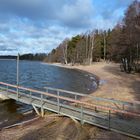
<point>33,57</point>
<point>8,57</point>
<point>121,44</point>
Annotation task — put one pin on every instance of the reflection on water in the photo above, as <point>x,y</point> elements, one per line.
<point>38,75</point>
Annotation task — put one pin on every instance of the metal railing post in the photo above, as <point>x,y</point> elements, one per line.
<point>30,94</point>
<point>17,76</point>
<point>123,107</point>
<point>82,115</point>
<point>75,97</point>
<point>58,102</point>
<point>95,109</point>
<point>109,118</point>
<point>47,92</point>
<point>17,92</point>
<point>42,110</point>
<point>7,90</point>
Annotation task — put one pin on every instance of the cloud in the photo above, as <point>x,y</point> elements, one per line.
<point>77,14</point>
<point>63,12</point>
<point>25,37</point>
<point>30,26</point>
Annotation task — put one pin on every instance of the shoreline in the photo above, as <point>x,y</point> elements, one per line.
<point>115,75</point>
<point>106,78</point>
<point>3,97</point>
<point>114,85</point>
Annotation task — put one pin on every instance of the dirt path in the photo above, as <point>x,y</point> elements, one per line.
<point>49,128</point>
<point>59,128</point>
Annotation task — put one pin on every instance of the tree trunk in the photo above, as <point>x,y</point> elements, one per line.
<point>91,51</point>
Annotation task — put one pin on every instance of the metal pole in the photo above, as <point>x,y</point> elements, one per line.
<point>58,102</point>
<point>36,110</point>
<point>75,97</point>
<point>17,75</point>
<point>82,121</point>
<point>47,92</point>
<point>7,90</point>
<point>137,53</point>
<point>42,110</point>
<point>123,107</point>
<point>109,117</point>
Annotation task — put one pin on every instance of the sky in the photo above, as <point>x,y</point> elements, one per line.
<point>38,26</point>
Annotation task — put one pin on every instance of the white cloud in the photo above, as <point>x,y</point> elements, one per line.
<point>77,14</point>
<point>30,26</point>
<point>24,37</point>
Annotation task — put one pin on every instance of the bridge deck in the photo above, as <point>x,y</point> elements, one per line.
<point>109,118</point>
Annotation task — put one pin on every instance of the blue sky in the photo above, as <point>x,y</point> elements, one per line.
<point>38,26</point>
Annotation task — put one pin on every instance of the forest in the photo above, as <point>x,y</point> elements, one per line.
<point>33,57</point>
<point>120,44</point>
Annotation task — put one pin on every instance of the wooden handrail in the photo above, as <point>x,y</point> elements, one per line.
<point>73,100</point>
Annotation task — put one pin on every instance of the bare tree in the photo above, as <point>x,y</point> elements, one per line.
<point>91,48</point>
<point>64,47</point>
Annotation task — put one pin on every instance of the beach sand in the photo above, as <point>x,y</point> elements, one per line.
<point>113,84</point>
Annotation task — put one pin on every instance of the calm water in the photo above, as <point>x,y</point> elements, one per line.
<point>38,75</point>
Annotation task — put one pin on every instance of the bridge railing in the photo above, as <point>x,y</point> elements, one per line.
<point>13,88</point>
<point>133,106</point>
<point>123,105</point>
<point>108,114</point>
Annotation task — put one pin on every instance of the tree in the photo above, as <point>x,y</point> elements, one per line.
<point>64,47</point>
<point>122,42</point>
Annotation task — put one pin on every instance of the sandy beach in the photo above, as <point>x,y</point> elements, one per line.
<point>117,85</point>
<point>113,84</point>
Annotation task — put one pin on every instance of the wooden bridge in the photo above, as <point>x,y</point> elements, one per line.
<point>123,118</point>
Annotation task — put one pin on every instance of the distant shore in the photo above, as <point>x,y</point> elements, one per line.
<point>113,84</point>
